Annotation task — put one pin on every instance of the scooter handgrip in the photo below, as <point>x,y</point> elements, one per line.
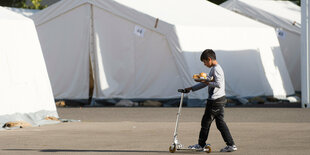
<point>181,90</point>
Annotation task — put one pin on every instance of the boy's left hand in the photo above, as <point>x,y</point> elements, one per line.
<point>202,81</point>
<point>197,80</point>
<point>205,82</point>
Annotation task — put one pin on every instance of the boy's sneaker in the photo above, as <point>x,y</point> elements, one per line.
<point>229,148</point>
<point>196,147</point>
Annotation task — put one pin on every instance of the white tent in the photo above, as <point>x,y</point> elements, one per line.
<point>24,12</point>
<point>25,91</point>
<point>148,49</point>
<point>284,16</point>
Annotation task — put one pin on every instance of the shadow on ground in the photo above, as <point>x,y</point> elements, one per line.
<point>73,150</point>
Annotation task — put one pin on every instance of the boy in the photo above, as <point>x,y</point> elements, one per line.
<point>215,103</point>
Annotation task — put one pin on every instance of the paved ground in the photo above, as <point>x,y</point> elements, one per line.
<point>150,131</point>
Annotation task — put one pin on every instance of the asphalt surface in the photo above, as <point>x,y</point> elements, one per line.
<point>256,131</point>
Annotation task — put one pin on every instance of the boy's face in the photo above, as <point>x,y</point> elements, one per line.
<point>208,62</point>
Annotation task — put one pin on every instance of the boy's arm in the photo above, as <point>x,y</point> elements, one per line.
<point>197,86</point>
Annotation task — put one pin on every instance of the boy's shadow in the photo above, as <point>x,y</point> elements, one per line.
<point>76,150</point>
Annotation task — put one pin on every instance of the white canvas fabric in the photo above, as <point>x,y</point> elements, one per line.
<point>133,57</point>
<point>25,90</point>
<point>284,16</point>
<point>24,12</point>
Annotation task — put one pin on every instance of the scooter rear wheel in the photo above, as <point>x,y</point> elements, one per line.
<point>172,148</point>
<point>208,149</point>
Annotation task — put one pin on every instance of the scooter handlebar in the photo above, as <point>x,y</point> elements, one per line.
<point>183,91</point>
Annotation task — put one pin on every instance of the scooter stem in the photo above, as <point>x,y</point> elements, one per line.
<point>178,117</point>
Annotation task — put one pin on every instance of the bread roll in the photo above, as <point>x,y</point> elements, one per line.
<point>196,76</point>
<point>202,74</point>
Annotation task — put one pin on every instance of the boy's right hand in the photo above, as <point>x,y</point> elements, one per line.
<point>186,90</point>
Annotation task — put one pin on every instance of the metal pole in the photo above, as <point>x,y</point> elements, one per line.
<point>178,115</point>
<point>305,83</point>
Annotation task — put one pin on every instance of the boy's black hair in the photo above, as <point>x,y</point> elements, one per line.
<point>208,53</point>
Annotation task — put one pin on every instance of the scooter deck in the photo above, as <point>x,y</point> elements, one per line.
<point>207,149</point>
<point>194,150</point>
<point>187,149</point>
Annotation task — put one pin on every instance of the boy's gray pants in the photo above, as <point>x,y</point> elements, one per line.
<point>214,110</point>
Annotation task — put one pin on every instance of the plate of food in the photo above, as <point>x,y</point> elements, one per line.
<point>200,77</point>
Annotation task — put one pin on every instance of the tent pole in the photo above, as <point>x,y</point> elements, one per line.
<point>305,83</point>
<point>91,52</point>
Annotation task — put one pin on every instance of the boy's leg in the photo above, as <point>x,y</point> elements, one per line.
<point>205,125</point>
<point>218,112</point>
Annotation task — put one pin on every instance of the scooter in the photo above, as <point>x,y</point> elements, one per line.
<point>176,145</point>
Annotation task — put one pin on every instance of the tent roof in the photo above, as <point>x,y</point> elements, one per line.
<point>205,13</point>
<point>179,16</point>
<point>6,14</point>
<point>24,12</point>
<point>271,12</point>
<point>178,19</point>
